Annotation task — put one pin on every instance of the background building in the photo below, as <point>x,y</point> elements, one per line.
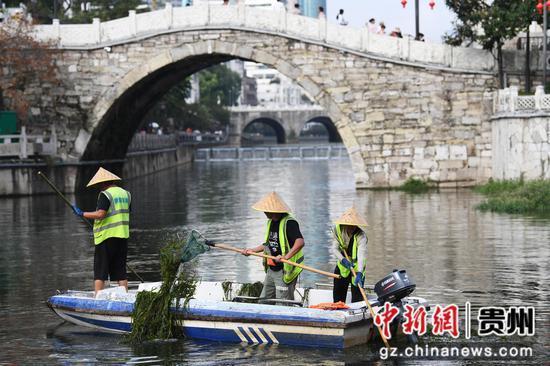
<point>310,8</point>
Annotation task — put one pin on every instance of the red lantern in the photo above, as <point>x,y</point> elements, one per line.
<point>548,5</point>
<point>432,4</point>
<point>404,3</point>
<point>540,7</point>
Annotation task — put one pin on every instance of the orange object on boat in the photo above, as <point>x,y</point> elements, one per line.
<point>330,306</point>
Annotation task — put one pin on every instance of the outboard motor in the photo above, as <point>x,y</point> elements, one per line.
<point>393,288</point>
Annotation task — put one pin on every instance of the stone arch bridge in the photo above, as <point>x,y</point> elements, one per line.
<point>402,108</point>
<point>286,121</point>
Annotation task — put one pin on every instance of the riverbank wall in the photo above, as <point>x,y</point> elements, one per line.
<point>22,179</point>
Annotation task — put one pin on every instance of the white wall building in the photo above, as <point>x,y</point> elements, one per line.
<point>273,87</point>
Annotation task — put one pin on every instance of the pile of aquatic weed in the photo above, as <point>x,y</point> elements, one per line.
<point>516,196</point>
<point>246,289</point>
<point>414,185</point>
<point>152,318</point>
<point>251,289</point>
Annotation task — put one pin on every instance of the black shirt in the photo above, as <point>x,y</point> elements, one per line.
<point>103,202</point>
<point>292,233</point>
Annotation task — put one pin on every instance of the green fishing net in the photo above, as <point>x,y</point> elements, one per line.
<point>195,245</point>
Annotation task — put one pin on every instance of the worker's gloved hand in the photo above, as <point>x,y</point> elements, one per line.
<point>346,263</point>
<point>359,279</point>
<point>77,211</point>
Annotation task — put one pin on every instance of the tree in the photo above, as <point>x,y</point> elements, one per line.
<point>489,24</point>
<point>219,86</point>
<point>79,11</point>
<point>26,63</point>
<point>83,11</point>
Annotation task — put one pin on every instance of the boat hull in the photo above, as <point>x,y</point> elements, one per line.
<point>228,321</point>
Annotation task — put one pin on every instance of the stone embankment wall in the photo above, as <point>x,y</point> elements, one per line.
<point>521,146</point>
<point>23,179</point>
<point>521,135</point>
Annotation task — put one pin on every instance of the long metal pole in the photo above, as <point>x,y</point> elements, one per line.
<point>417,17</point>
<point>545,41</point>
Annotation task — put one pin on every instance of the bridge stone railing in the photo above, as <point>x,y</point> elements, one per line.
<point>275,108</point>
<point>272,21</point>
<point>509,101</point>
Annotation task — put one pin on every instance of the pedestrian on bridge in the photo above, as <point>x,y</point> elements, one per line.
<point>283,239</point>
<point>111,229</point>
<point>340,18</point>
<point>351,238</point>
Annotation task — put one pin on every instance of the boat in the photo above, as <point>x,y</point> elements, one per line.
<point>218,313</point>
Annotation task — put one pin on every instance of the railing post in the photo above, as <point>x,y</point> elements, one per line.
<point>241,10</point>
<point>23,154</point>
<point>513,98</point>
<point>133,22</point>
<point>53,140</point>
<point>322,23</point>
<point>56,29</point>
<point>169,14</point>
<point>96,22</point>
<point>539,95</point>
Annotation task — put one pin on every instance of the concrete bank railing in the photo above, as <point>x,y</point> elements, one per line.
<point>274,21</point>
<point>152,142</point>
<point>509,101</point>
<point>23,145</point>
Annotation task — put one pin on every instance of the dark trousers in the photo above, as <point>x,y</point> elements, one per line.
<point>340,289</point>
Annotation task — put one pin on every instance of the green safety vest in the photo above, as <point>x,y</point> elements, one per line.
<point>344,272</point>
<point>289,272</point>
<point>116,224</point>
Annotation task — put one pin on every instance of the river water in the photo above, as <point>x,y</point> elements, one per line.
<point>454,252</point>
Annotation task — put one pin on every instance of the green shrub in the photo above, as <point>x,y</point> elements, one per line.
<point>414,185</point>
<point>516,196</point>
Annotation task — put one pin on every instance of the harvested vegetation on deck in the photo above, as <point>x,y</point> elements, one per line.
<point>152,318</point>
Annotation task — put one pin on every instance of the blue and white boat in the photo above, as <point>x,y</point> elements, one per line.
<point>216,314</point>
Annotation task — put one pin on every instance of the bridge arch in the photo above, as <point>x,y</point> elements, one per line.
<point>119,109</point>
<point>276,125</point>
<point>333,135</point>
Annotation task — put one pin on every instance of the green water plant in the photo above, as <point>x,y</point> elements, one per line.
<point>152,317</point>
<point>516,196</point>
<point>414,185</point>
<point>251,289</point>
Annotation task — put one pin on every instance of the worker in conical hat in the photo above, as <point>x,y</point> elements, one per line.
<point>349,232</point>
<point>111,229</point>
<point>283,239</point>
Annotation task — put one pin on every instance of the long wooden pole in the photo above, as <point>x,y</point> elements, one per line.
<point>362,290</point>
<point>82,217</point>
<point>303,266</point>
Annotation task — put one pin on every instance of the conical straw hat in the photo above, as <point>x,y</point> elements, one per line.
<point>351,217</point>
<point>102,175</point>
<point>272,203</point>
